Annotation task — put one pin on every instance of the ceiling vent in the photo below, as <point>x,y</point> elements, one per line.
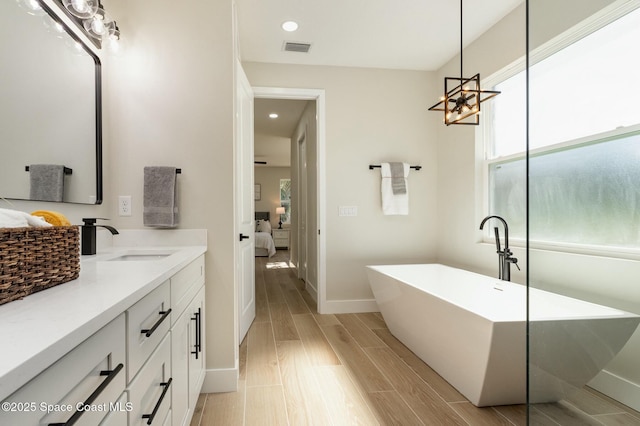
<point>290,46</point>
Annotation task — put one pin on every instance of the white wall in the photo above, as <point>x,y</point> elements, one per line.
<point>371,116</point>
<point>170,100</point>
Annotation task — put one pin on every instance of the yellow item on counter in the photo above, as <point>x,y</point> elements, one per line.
<point>54,218</point>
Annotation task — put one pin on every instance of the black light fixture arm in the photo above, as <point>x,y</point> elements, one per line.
<point>461,70</point>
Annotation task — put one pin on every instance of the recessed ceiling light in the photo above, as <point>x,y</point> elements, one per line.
<point>289,26</point>
<point>273,115</point>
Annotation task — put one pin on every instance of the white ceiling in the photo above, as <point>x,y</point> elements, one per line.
<point>392,34</point>
<point>395,34</point>
<point>270,145</point>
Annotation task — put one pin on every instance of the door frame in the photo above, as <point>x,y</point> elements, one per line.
<point>302,206</point>
<point>317,95</point>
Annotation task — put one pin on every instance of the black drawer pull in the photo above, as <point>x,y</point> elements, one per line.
<point>111,374</point>
<point>198,320</point>
<point>150,417</point>
<point>148,332</point>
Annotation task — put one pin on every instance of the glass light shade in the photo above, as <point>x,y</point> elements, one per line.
<point>100,26</point>
<point>113,43</point>
<point>83,9</point>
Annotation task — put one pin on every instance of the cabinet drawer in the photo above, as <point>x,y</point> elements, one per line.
<point>150,391</point>
<point>118,412</point>
<point>93,372</point>
<point>147,324</point>
<point>184,284</point>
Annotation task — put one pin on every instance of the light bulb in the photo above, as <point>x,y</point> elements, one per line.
<point>290,26</point>
<point>83,9</point>
<point>97,26</point>
<point>79,5</point>
<point>100,26</point>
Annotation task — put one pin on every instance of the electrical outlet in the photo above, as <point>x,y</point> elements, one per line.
<point>124,205</point>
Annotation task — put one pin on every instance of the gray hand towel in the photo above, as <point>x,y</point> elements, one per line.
<point>46,182</point>
<point>159,204</point>
<point>398,185</point>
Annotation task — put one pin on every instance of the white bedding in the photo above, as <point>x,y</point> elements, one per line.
<point>265,241</point>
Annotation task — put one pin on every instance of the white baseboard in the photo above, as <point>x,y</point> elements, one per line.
<point>220,380</point>
<point>312,290</point>
<point>617,388</point>
<point>350,306</point>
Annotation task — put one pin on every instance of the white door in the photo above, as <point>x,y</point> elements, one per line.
<point>302,207</point>
<point>244,208</point>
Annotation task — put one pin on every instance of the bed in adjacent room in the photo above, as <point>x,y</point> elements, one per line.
<point>265,247</point>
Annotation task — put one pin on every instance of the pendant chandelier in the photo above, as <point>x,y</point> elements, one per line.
<point>462,95</point>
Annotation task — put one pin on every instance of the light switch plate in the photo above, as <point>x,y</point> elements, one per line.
<point>348,211</point>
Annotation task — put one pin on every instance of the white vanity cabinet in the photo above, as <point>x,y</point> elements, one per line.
<point>187,344</point>
<point>144,367</point>
<point>81,388</point>
<point>166,380</point>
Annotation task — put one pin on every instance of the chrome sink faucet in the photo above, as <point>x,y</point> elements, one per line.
<point>504,256</point>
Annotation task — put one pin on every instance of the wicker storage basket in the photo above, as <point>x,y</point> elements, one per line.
<point>34,259</point>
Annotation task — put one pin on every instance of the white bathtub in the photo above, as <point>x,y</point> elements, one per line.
<point>471,329</point>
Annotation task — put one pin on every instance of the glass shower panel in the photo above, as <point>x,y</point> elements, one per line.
<point>583,207</point>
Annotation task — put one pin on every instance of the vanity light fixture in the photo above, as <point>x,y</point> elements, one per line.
<point>290,26</point>
<point>90,16</point>
<point>99,26</point>
<point>462,95</point>
<point>83,9</point>
<point>273,115</point>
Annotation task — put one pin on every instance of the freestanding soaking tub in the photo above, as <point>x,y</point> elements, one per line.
<point>471,329</point>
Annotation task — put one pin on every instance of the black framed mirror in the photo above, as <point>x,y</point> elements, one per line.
<point>50,104</point>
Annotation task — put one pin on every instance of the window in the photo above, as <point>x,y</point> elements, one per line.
<point>584,175</point>
<point>285,199</point>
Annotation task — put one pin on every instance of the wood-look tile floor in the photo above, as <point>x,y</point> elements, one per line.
<point>298,367</point>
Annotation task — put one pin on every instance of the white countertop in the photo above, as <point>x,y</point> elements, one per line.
<point>42,327</point>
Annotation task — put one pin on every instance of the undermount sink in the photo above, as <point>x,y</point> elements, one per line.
<point>146,255</point>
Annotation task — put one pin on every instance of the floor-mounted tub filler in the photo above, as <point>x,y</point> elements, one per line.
<point>471,329</point>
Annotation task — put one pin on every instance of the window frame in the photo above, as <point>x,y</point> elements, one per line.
<point>287,217</point>
<point>484,135</point>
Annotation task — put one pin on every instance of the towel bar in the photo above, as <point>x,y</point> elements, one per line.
<point>377,166</point>
<point>67,170</point>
